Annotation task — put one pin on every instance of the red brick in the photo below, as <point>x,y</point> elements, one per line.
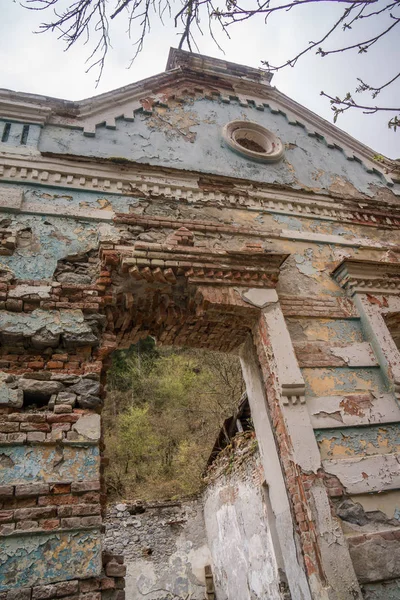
<point>60,488</point>
<point>50,524</point>
<point>51,418</point>
<point>44,427</point>
<point>108,583</point>
<point>55,364</point>
<point>89,585</point>
<point>6,516</point>
<point>113,569</point>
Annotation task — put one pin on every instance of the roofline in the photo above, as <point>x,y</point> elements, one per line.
<point>205,71</point>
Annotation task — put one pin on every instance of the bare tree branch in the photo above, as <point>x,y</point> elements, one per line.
<point>83,20</point>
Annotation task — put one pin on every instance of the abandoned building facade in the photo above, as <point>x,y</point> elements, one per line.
<point>203,207</point>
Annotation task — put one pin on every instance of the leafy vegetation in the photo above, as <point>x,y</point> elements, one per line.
<point>163,411</point>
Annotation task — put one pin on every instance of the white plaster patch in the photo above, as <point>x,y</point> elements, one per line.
<point>43,291</point>
<point>88,426</point>
<point>356,355</point>
<point>11,199</point>
<point>330,411</point>
<point>366,474</point>
<point>108,233</point>
<point>259,297</point>
<point>91,214</point>
<point>198,559</point>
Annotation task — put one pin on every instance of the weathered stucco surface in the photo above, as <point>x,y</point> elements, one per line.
<point>127,215</point>
<point>26,561</point>
<point>164,546</point>
<point>235,511</point>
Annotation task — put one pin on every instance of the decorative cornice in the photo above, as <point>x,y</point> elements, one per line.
<point>166,263</point>
<point>216,66</point>
<point>23,111</point>
<point>125,178</point>
<point>372,277</point>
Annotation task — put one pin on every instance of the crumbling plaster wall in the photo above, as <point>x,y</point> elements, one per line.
<point>57,216</point>
<point>238,527</point>
<point>188,136</point>
<point>164,545</point>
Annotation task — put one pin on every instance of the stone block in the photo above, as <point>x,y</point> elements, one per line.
<point>86,387</point>
<point>90,402</point>
<point>6,491</point>
<point>19,594</point>
<point>36,436</point>
<point>85,486</point>
<point>43,592</point>
<point>8,396</point>
<point>43,388</point>
<point>66,588</point>
<point>31,489</point>
<point>113,569</point>
<point>88,426</point>
<point>11,199</point>
<point>62,409</point>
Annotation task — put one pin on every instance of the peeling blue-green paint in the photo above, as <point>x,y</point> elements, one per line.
<point>334,330</point>
<point>340,380</point>
<point>289,222</point>
<point>167,142</point>
<point>52,239</point>
<point>44,463</point>
<point>56,322</point>
<point>45,558</point>
<point>374,439</point>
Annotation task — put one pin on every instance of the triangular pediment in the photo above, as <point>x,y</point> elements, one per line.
<point>189,76</point>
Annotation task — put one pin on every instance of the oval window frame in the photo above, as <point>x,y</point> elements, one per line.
<point>257,135</point>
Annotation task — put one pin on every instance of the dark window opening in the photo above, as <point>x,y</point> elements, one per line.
<point>6,132</point>
<point>36,400</point>
<point>250,145</point>
<point>24,135</point>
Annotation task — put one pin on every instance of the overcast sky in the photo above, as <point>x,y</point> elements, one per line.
<point>39,64</point>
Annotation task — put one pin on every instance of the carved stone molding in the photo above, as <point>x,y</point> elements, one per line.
<point>26,112</point>
<point>165,263</point>
<point>373,277</point>
<point>133,180</point>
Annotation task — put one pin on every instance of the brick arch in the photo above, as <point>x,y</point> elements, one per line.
<point>182,293</point>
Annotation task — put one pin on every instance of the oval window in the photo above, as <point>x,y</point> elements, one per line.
<point>253,141</point>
